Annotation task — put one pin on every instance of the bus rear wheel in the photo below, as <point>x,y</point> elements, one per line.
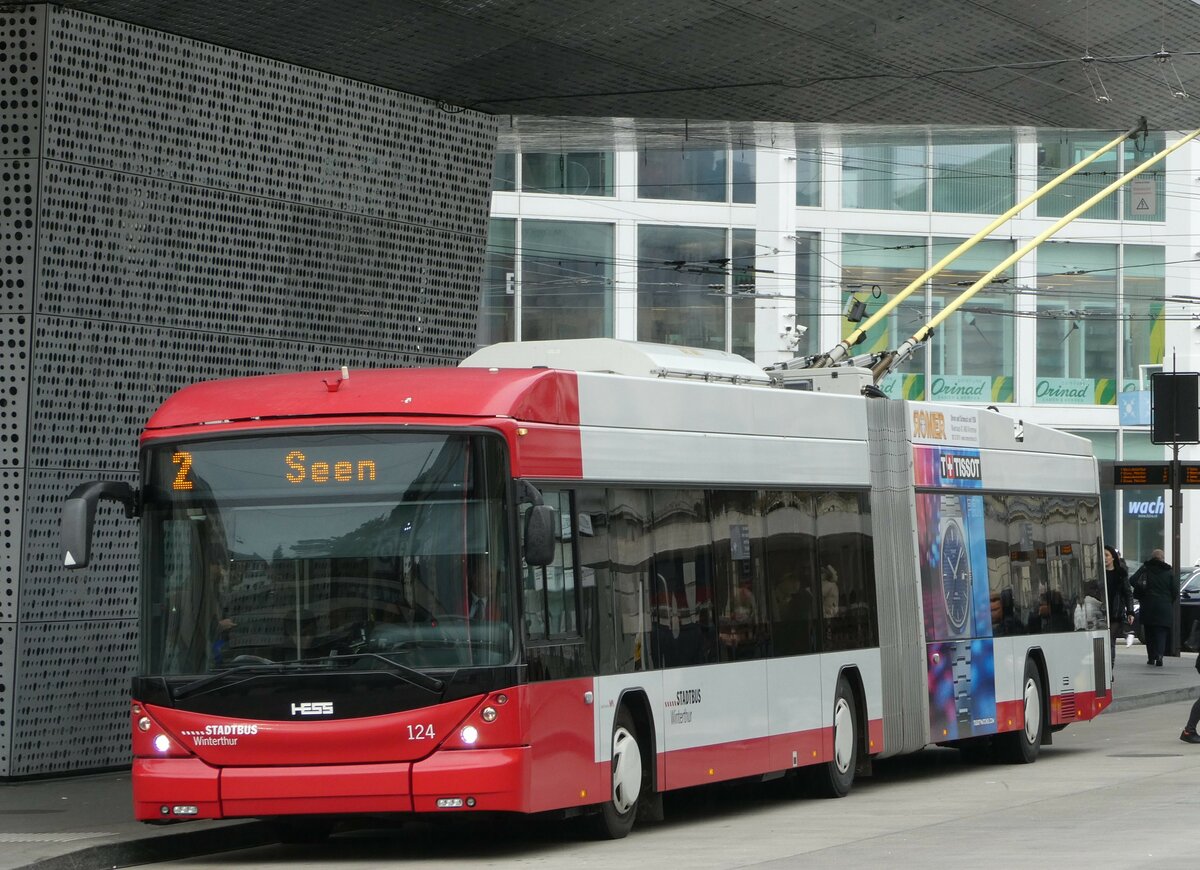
<point>835,777</point>
<point>617,814</point>
<point>1022,746</point>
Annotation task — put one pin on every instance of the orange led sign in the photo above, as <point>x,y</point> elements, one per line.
<point>342,471</point>
<point>184,460</point>
<point>1154,475</point>
<point>1148,474</point>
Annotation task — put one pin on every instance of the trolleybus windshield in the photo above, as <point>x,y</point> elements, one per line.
<point>348,547</point>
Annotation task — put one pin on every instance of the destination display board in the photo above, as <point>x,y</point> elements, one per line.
<point>1154,474</point>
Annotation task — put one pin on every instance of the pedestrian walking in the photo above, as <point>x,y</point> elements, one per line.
<point>1120,598</point>
<point>1155,588</point>
<point>1189,735</point>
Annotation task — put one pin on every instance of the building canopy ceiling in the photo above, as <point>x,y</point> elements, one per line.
<point>791,62</point>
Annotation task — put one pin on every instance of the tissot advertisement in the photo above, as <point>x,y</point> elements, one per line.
<point>958,623</point>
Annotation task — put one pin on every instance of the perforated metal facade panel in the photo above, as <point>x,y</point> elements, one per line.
<point>196,213</point>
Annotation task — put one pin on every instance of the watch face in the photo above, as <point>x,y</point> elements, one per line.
<point>956,576</point>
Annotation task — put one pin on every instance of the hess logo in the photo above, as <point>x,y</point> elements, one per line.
<point>313,708</point>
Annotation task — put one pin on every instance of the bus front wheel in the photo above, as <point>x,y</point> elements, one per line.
<point>617,814</point>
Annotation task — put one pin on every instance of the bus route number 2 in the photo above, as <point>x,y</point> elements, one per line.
<point>183,459</point>
<point>420,732</point>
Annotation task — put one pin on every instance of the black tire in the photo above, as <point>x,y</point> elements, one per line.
<point>1023,745</point>
<point>834,778</point>
<point>629,780</point>
<point>301,829</point>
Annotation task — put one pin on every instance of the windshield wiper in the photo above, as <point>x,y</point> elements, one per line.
<point>258,667</point>
<point>403,672</point>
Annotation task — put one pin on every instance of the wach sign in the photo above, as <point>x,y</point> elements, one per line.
<point>1153,509</point>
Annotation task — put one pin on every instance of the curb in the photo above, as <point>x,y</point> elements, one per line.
<point>161,847</point>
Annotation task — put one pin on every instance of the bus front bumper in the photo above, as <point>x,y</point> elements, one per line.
<point>182,789</point>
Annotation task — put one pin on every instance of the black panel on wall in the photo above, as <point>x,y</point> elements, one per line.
<point>196,213</point>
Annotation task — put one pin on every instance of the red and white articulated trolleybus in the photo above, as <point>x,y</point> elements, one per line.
<point>574,575</point>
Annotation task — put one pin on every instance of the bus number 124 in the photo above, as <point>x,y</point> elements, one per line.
<point>420,732</point>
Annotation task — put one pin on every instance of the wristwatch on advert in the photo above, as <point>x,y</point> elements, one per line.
<point>955,567</point>
<point>960,667</point>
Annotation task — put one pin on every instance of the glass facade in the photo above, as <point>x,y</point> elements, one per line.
<point>587,173</point>
<point>959,174</point>
<point>743,174</point>
<point>1133,517</point>
<point>1099,316</point>
<point>808,293</point>
<point>575,174</point>
<point>563,287</point>
<point>566,280</point>
<point>697,174</point>
<point>1146,195</point>
<point>808,176</point>
<point>1059,150</point>
<point>1143,326</point>
<point>971,353</point>
<point>497,308</point>
<point>972,175</point>
<point>677,258</point>
<point>740,308</point>
<point>1077,324</point>
<point>1143,513</point>
<point>874,269</point>
<point>686,282</point>
<point>504,173</point>
<point>1094,312</point>
<point>884,173</point>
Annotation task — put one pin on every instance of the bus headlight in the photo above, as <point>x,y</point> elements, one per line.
<point>469,735</point>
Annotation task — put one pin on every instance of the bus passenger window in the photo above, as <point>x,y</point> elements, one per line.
<point>681,630</point>
<point>630,552</point>
<point>791,551</point>
<point>551,605</point>
<point>739,572</point>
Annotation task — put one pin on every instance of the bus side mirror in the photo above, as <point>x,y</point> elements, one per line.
<point>539,535</point>
<point>79,515</point>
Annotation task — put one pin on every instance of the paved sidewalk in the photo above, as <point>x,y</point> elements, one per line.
<point>84,823</point>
